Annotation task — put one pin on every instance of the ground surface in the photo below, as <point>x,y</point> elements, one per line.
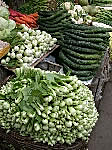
<point>101,137</point>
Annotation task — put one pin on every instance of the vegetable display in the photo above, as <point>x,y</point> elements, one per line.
<point>6,25</point>
<point>52,22</point>
<point>27,45</point>
<point>82,50</point>
<point>28,20</point>
<point>102,2</point>
<point>82,47</point>
<point>104,16</point>
<point>50,107</point>
<point>78,14</point>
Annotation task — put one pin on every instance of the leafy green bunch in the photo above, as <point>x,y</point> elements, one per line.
<point>48,106</point>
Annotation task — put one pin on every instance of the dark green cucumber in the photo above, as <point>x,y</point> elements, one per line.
<point>51,29</point>
<point>86,78</point>
<point>46,13</point>
<point>79,73</point>
<point>81,61</point>
<point>84,44</point>
<point>49,25</point>
<point>73,65</point>
<point>80,49</point>
<point>82,56</point>
<point>59,19</point>
<point>78,38</point>
<point>95,35</point>
<point>54,16</point>
<point>99,30</point>
<point>77,27</point>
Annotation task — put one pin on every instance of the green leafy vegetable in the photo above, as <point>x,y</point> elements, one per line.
<point>48,106</point>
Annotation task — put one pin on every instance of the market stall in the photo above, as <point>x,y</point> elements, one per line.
<point>54,62</point>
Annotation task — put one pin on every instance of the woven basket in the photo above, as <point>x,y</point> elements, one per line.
<point>4,51</point>
<point>26,142</point>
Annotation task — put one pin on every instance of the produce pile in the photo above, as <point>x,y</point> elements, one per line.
<point>28,20</point>
<point>104,16</point>
<point>82,47</point>
<point>6,25</point>
<point>32,6</point>
<point>78,13</point>
<point>26,46</point>
<point>52,22</point>
<point>48,106</point>
<point>102,2</point>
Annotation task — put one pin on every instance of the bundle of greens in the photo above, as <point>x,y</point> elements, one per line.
<point>48,106</point>
<point>27,45</point>
<point>33,6</point>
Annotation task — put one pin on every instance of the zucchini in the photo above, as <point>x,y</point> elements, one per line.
<point>79,73</point>
<point>73,65</point>
<point>94,40</point>
<point>82,56</point>
<point>54,16</point>
<point>84,44</point>
<point>81,61</point>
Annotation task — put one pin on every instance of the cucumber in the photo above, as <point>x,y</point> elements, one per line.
<point>73,65</point>
<point>49,25</point>
<point>59,19</point>
<point>95,35</point>
<point>99,30</point>
<point>94,40</point>
<point>84,44</point>
<point>46,13</point>
<point>54,16</point>
<point>77,27</point>
<point>51,29</point>
<point>79,49</point>
<point>76,72</point>
<point>82,56</point>
<point>81,61</point>
<point>86,78</point>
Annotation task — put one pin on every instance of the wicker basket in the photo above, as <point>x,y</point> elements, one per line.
<point>25,142</point>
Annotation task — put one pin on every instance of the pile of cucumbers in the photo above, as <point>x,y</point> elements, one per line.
<point>82,47</point>
<point>102,2</point>
<point>52,21</point>
<point>104,16</point>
